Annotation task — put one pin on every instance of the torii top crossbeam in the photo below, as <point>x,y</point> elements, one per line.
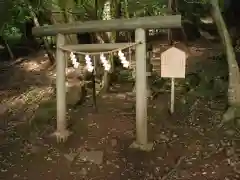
<point>170,21</point>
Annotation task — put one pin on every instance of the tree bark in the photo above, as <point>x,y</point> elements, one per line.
<point>45,42</point>
<point>70,4</point>
<point>170,11</point>
<point>234,76</point>
<point>61,14</point>
<point>107,15</point>
<point>9,50</point>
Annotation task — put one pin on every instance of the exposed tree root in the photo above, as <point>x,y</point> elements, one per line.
<point>231,114</point>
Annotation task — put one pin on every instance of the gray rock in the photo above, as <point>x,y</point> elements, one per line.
<point>114,142</point>
<point>83,172</point>
<point>70,157</point>
<point>95,157</point>
<point>163,137</point>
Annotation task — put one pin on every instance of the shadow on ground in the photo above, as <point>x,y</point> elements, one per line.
<point>187,145</point>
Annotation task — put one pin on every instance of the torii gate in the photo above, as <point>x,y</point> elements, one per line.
<point>139,24</point>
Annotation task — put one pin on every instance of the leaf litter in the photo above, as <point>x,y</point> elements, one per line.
<point>186,147</point>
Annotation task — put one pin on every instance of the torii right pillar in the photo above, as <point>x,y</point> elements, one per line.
<point>141,93</point>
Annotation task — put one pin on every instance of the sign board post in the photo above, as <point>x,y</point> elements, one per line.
<point>173,65</point>
<point>172,95</point>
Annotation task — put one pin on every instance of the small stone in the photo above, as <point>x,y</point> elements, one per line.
<point>163,137</point>
<point>121,96</point>
<point>83,172</point>
<point>185,174</point>
<point>113,142</point>
<point>157,169</point>
<point>211,145</point>
<point>72,173</point>
<point>70,157</point>
<point>35,149</point>
<point>166,169</point>
<point>238,122</point>
<point>197,153</point>
<point>3,109</point>
<point>230,151</point>
<point>230,132</point>
<point>108,162</point>
<point>95,157</point>
<point>49,159</point>
<point>15,176</point>
<point>237,167</point>
<point>175,136</point>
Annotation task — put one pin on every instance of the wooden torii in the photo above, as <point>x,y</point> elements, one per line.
<point>139,24</point>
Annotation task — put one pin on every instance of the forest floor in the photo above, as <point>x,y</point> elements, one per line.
<point>188,145</point>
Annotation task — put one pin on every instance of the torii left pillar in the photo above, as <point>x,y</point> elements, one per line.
<point>61,132</point>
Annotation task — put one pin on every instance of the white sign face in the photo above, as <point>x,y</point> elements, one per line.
<point>173,63</point>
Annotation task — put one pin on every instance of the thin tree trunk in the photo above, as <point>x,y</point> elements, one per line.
<point>234,76</point>
<point>107,16</point>
<point>46,44</point>
<point>61,13</point>
<point>170,11</point>
<point>9,50</point>
<point>70,4</point>
<point>175,11</point>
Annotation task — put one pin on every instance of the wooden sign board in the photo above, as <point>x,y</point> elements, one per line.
<point>173,63</point>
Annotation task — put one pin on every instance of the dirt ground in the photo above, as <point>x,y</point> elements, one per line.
<point>188,145</point>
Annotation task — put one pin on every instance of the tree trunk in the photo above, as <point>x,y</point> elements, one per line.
<point>127,16</point>
<point>174,12</point>
<point>9,50</point>
<point>46,44</point>
<point>107,16</point>
<point>60,14</point>
<point>57,16</point>
<point>70,4</point>
<point>234,76</point>
<point>170,11</point>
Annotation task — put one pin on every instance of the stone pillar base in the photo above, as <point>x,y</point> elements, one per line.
<point>143,147</point>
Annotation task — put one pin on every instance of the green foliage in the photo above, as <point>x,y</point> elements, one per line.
<point>221,4</point>
<point>192,10</point>
<point>16,13</point>
<point>86,9</point>
<point>147,7</point>
<point>46,112</point>
<point>213,76</point>
<point>5,9</point>
<point>15,16</point>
